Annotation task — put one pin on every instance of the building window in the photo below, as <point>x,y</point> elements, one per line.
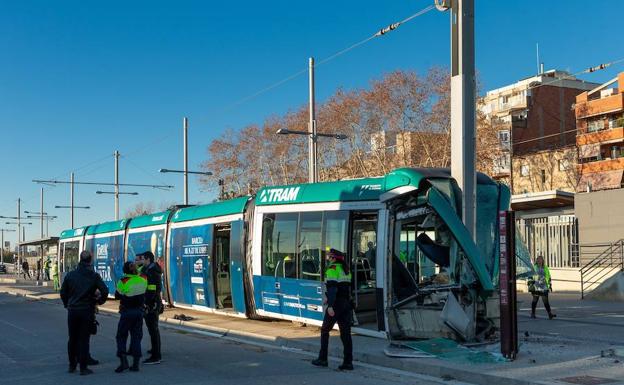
<point>503,138</point>
<point>524,170</point>
<point>543,172</point>
<point>595,125</point>
<point>564,164</point>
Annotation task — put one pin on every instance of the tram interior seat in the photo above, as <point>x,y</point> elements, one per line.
<point>439,254</point>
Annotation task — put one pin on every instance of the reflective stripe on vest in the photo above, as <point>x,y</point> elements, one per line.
<point>335,272</point>
<point>151,287</point>
<point>131,285</point>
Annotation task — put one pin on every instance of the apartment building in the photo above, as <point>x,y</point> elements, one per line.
<point>534,116</point>
<point>600,140</point>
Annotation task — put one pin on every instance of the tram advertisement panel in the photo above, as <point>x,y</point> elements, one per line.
<point>190,263</point>
<point>108,254</point>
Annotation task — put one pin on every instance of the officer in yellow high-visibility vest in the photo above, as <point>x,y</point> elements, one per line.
<point>338,285</point>
<point>131,294</point>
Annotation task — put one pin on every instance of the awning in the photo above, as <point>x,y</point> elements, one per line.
<point>589,150</point>
<point>40,242</point>
<point>601,180</point>
<point>542,200</point>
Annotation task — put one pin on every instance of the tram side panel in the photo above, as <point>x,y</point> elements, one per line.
<point>108,253</point>
<point>151,240</point>
<point>190,266</point>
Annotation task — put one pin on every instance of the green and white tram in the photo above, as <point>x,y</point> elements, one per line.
<point>416,271</point>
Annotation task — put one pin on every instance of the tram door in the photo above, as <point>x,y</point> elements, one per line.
<point>363,269</point>
<point>223,289</point>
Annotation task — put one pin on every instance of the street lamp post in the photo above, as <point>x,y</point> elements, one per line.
<point>313,175</point>
<point>185,172</point>
<point>72,208</point>
<point>312,132</point>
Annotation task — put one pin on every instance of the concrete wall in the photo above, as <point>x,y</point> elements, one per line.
<point>566,280</point>
<point>600,216</point>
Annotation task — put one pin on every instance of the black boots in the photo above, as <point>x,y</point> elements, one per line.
<point>346,366</point>
<point>135,364</point>
<point>319,362</point>
<point>123,364</point>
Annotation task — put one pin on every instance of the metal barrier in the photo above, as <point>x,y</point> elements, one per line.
<point>599,261</point>
<point>552,237</point>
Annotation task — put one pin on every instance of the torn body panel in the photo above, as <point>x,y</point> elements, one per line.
<point>442,284</point>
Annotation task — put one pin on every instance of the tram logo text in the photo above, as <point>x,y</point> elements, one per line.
<point>287,194</point>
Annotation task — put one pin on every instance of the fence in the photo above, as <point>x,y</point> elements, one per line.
<point>553,237</point>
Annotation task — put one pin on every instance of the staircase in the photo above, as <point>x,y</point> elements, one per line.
<point>599,261</point>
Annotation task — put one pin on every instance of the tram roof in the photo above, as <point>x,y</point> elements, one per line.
<point>149,220</point>
<point>72,233</point>
<point>217,209</point>
<point>364,189</point>
<point>107,227</point>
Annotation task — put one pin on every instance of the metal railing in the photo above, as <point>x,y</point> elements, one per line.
<point>599,260</point>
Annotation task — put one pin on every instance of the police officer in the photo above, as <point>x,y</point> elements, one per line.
<point>82,288</point>
<point>338,285</point>
<point>131,295</point>
<point>153,303</point>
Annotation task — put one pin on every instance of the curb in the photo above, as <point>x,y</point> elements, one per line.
<point>438,372</point>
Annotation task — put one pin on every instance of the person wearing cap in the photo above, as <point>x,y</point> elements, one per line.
<point>82,289</point>
<point>338,286</point>
<point>153,303</point>
<point>131,295</point>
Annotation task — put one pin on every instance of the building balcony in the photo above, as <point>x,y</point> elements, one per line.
<point>602,165</point>
<point>609,104</point>
<point>603,136</point>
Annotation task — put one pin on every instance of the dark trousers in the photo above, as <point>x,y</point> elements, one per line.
<point>131,321</point>
<point>536,298</point>
<point>79,325</point>
<point>342,316</point>
<point>151,321</point>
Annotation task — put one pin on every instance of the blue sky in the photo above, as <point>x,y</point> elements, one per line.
<point>79,79</point>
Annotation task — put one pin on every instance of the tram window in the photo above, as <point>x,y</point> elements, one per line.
<point>279,245</point>
<point>310,245</point>
<point>335,230</point>
<point>364,251</point>
<point>71,255</point>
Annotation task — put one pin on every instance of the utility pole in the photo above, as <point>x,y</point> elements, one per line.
<point>19,248</point>
<point>185,133</point>
<point>40,270</point>
<point>71,199</point>
<point>463,120</point>
<point>312,141</point>
<point>116,155</point>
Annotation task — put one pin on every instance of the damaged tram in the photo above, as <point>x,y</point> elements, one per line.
<point>416,271</point>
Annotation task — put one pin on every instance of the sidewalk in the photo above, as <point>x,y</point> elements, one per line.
<point>549,351</point>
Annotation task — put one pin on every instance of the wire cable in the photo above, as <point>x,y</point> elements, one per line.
<point>341,52</point>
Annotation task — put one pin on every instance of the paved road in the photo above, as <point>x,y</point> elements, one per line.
<point>577,319</point>
<point>33,351</point>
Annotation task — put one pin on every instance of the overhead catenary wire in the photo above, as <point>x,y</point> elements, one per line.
<point>341,52</point>
<point>574,75</point>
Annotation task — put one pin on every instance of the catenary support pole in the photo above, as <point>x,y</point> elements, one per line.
<point>71,199</point>
<point>185,129</point>
<point>116,155</point>
<point>312,141</point>
<point>463,133</point>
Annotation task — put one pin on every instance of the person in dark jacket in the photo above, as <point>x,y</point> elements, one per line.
<point>25,270</point>
<point>153,303</point>
<point>338,284</point>
<point>82,289</point>
<point>131,295</point>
